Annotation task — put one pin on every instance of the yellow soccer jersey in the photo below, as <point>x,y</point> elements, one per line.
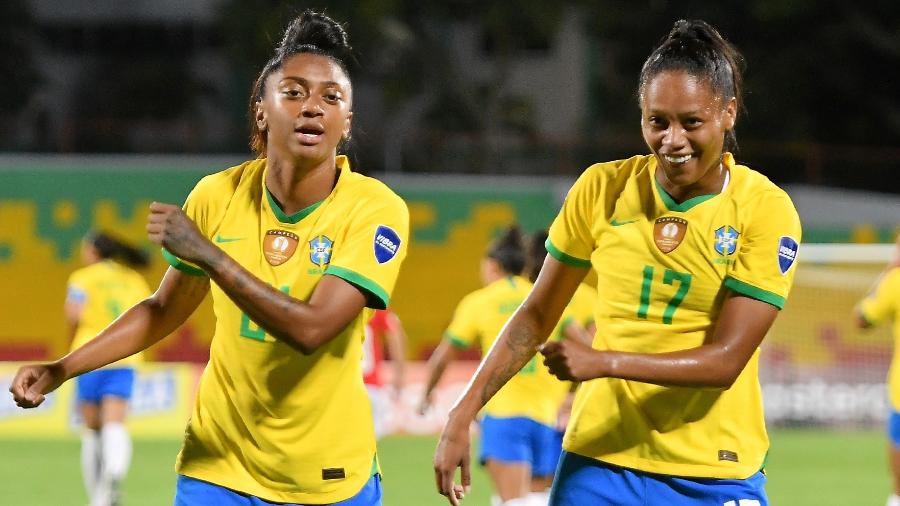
<point>533,392</point>
<point>269,421</point>
<point>104,290</point>
<point>661,269</point>
<point>880,306</point>
<point>582,305</point>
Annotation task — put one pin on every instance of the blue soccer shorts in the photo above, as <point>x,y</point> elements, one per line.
<point>581,481</point>
<point>520,439</point>
<point>194,492</point>
<point>893,427</point>
<point>94,386</point>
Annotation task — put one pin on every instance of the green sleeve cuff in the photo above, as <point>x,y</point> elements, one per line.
<point>377,297</point>
<point>182,266</point>
<point>754,292</point>
<point>564,258</point>
<point>456,341</point>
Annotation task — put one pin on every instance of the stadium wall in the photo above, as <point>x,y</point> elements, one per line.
<point>48,202</point>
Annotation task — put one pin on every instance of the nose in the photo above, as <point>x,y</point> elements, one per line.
<point>674,136</point>
<point>312,107</point>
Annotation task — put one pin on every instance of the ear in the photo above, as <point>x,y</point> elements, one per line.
<point>261,120</point>
<point>347,123</point>
<point>730,114</point>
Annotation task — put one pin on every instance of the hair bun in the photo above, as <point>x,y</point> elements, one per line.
<point>316,30</point>
<point>694,29</point>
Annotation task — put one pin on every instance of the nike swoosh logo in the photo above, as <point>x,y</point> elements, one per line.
<point>617,223</point>
<point>222,240</point>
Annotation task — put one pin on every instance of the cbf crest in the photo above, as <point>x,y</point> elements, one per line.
<point>320,251</point>
<point>726,240</point>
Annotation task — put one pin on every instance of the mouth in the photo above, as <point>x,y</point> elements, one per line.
<point>309,134</point>
<point>676,159</point>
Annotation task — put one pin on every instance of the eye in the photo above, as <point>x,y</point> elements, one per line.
<point>332,97</point>
<point>692,122</point>
<point>293,93</point>
<point>656,122</point>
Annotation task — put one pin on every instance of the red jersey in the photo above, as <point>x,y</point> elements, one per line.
<point>373,347</point>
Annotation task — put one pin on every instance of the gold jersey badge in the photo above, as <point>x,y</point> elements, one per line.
<point>668,232</point>
<point>279,246</point>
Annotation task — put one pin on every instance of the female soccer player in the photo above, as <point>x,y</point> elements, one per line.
<point>297,246</point>
<point>880,305</point>
<point>519,441</point>
<point>694,257</point>
<point>96,295</point>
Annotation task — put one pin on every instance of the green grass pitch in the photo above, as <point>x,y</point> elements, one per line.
<point>806,468</point>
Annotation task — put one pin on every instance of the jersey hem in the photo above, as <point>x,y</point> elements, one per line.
<point>565,258</point>
<point>209,475</point>
<point>692,471</point>
<point>754,292</point>
<point>381,297</point>
<point>181,265</point>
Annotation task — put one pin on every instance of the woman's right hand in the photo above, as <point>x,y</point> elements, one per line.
<point>452,452</point>
<point>33,382</point>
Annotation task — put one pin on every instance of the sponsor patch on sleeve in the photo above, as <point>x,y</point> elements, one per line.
<point>387,244</point>
<point>787,253</point>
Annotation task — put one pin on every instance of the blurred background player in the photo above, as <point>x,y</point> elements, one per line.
<point>96,295</point>
<point>694,257</point>
<point>580,308</point>
<point>881,305</point>
<point>520,443</point>
<point>293,246</point>
<point>383,329</point>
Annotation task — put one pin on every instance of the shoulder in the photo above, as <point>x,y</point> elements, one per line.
<point>475,298</point>
<point>371,192</point>
<point>892,279</point>
<point>751,184</point>
<point>82,275</point>
<point>225,182</point>
<point>613,175</point>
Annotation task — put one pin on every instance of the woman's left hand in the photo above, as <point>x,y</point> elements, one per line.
<point>169,227</point>
<point>572,360</point>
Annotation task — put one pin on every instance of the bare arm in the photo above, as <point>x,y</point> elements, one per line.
<point>574,330</point>
<point>437,364</point>
<point>858,317</point>
<point>303,325</point>
<point>741,327</point>
<point>395,338</point>
<point>517,343</point>
<point>72,311</point>
<point>135,330</point>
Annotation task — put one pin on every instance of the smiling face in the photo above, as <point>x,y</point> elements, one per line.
<point>305,108</point>
<point>684,122</point>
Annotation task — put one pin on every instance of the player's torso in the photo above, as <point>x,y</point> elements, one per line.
<point>661,268</point>
<point>290,253</point>
<point>658,262</point>
<point>110,289</point>
<point>533,392</point>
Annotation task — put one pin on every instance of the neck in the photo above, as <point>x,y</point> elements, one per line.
<point>297,187</point>
<point>710,184</point>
